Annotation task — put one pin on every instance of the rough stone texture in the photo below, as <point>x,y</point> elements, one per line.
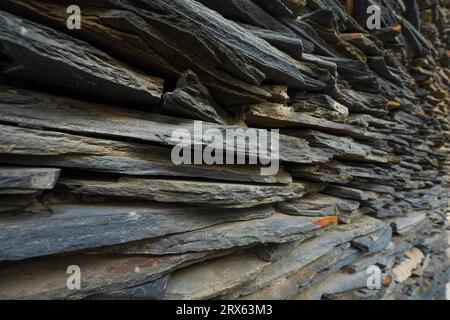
<point>275,229</point>
<point>88,177</point>
<point>213,278</point>
<point>75,227</point>
<point>47,148</point>
<point>68,115</point>
<point>28,178</point>
<point>46,278</point>
<point>193,192</point>
<point>318,205</point>
<point>35,50</point>
<point>192,100</point>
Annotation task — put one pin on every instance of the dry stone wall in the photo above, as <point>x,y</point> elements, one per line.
<point>356,118</point>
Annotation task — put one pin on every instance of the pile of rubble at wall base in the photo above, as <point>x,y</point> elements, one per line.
<point>88,181</point>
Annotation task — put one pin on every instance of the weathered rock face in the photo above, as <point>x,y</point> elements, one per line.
<point>92,119</point>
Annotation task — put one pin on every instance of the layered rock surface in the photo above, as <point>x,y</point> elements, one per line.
<point>87,170</point>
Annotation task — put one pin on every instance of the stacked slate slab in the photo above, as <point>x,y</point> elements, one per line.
<point>87,178</point>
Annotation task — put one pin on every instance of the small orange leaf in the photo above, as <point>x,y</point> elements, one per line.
<point>326,221</point>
